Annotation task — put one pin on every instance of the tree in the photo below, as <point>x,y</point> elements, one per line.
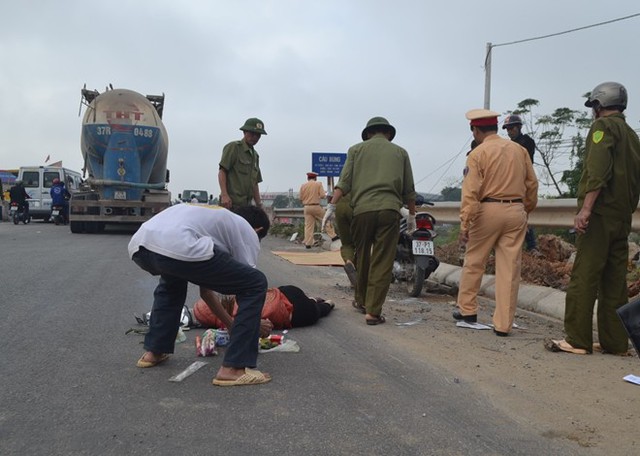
<point>451,194</point>
<point>555,151</point>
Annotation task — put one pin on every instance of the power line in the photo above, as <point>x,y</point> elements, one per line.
<point>566,31</point>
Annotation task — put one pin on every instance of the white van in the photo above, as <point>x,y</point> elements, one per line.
<point>37,181</point>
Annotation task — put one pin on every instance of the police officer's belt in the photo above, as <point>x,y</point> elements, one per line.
<point>313,204</point>
<point>494,200</point>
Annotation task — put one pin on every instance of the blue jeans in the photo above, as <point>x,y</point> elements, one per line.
<point>222,274</point>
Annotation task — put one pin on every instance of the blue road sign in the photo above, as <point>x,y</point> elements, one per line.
<point>327,163</point>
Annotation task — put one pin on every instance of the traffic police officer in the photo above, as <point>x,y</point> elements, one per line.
<point>498,191</point>
<point>311,192</point>
<point>239,173</point>
<point>608,194</point>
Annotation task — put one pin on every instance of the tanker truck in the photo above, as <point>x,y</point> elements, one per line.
<point>124,147</point>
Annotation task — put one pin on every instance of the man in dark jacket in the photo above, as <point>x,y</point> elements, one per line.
<point>19,195</point>
<point>513,125</point>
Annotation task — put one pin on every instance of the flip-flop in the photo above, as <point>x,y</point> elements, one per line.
<point>358,307</point>
<point>250,377</point>
<point>563,346</point>
<point>376,321</point>
<point>143,363</point>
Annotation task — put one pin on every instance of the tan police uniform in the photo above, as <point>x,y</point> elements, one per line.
<point>498,191</point>
<point>311,193</point>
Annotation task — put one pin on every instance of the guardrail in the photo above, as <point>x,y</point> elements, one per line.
<point>551,213</point>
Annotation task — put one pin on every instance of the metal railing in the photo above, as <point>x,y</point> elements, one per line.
<point>552,213</point>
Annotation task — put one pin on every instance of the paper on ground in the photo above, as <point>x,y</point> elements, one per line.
<point>464,324</point>
<point>188,371</point>
<point>632,379</point>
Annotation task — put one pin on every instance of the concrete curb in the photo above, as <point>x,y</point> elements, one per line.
<point>534,298</point>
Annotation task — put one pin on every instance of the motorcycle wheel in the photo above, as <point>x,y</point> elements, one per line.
<point>56,220</point>
<point>415,280</point>
<point>16,219</point>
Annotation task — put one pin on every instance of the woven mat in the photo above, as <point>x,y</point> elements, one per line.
<point>323,258</point>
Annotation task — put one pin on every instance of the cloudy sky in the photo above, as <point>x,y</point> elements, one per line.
<point>314,72</point>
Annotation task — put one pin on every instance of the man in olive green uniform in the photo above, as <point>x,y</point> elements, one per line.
<point>344,216</point>
<point>498,191</point>
<point>239,173</point>
<point>608,194</point>
<point>377,174</point>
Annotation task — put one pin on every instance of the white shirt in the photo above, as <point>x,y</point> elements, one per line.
<point>188,232</point>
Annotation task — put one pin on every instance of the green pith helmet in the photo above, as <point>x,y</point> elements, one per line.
<point>378,121</point>
<point>255,125</point>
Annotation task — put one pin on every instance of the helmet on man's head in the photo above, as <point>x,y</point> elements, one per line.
<point>606,95</point>
<point>512,119</point>
<point>56,181</point>
<point>378,122</point>
<point>254,125</point>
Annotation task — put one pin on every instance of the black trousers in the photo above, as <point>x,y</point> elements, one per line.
<point>306,311</point>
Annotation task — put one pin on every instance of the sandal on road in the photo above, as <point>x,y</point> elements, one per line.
<point>144,363</point>
<point>250,377</point>
<point>563,346</point>
<point>376,320</point>
<point>358,307</point>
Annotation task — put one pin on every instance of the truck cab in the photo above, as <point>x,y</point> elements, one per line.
<point>201,195</point>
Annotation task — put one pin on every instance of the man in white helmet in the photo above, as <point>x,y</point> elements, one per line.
<point>608,194</point>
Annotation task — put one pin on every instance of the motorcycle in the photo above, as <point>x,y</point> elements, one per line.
<point>17,214</point>
<point>415,253</point>
<point>57,215</point>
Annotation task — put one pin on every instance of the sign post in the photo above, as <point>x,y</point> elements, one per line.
<point>328,164</point>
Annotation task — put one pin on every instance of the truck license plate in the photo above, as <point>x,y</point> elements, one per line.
<point>423,248</point>
<point>120,195</point>
<point>55,212</point>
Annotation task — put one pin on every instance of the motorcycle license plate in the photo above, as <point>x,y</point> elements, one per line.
<point>55,212</point>
<point>423,247</point>
<point>14,209</point>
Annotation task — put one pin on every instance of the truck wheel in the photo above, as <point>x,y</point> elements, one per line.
<point>76,227</point>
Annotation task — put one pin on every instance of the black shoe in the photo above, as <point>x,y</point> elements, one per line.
<point>335,238</point>
<point>307,246</point>
<point>500,333</point>
<point>468,318</point>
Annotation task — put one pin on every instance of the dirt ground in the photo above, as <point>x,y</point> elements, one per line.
<point>583,399</point>
<point>578,398</point>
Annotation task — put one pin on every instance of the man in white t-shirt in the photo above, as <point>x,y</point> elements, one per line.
<point>215,249</point>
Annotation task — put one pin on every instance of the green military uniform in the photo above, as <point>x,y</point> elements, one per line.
<point>612,164</point>
<point>242,165</point>
<point>344,215</point>
<point>377,175</point>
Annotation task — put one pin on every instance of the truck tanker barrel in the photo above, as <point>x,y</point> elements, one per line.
<point>124,146</point>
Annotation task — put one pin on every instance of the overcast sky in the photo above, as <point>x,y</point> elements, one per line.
<point>314,72</point>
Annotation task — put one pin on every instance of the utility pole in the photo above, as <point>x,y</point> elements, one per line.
<point>487,77</point>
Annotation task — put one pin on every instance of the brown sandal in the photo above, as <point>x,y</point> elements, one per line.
<point>376,320</point>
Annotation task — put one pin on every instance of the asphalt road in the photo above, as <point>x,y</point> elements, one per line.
<point>70,385</point>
